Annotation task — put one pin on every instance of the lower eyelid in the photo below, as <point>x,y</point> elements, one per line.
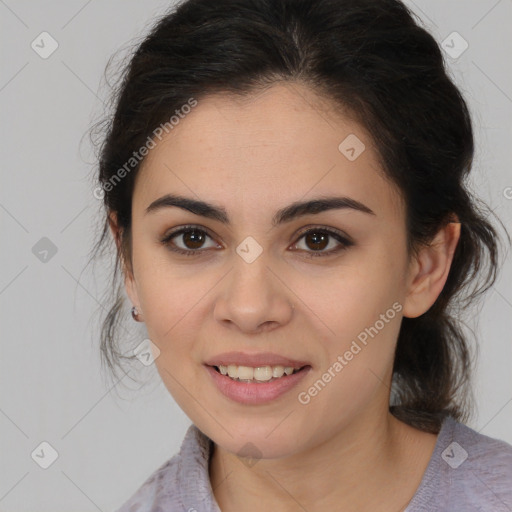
<point>343,243</point>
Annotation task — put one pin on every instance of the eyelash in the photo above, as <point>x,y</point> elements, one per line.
<point>345,243</point>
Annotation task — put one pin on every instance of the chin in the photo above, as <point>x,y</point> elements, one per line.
<point>267,440</point>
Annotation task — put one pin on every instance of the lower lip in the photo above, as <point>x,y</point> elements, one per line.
<point>255,392</point>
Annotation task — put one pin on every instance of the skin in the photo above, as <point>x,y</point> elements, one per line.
<point>343,450</point>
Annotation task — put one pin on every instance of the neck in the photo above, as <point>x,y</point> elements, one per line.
<point>368,465</point>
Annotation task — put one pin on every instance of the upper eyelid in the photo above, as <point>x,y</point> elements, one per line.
<point>180,230</point>
<point>332,231</point>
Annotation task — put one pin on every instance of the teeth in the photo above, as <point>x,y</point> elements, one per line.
<point>278,371</point>
<point>261,373</point>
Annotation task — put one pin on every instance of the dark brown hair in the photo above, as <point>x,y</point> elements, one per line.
<point>370,58</point>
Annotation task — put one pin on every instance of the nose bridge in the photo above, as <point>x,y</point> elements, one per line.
<point>252,295</point>
<point>250,276</point>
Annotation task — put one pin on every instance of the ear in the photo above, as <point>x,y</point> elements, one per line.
<point>429,270</point>
<point>129,281</point>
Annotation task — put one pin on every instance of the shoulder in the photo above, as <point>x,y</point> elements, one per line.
<point>468,471</point>
<point>163,479</point>
<point>483,461</point>
<point>179,482</point>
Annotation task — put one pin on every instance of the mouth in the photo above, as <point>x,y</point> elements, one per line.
<point>256,385</point>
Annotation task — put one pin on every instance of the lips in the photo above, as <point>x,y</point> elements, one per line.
<point>255,360</point>
<point>255,393</point>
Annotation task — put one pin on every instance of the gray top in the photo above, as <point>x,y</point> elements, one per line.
<point>467,472</point>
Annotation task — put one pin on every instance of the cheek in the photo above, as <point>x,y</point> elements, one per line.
<point>169,293</point>
<point>357,367</point>
<point>361,304</point>
<point>354,295</point>
<point>172,307</point>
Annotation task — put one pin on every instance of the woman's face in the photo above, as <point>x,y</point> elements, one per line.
<point>255,287</point>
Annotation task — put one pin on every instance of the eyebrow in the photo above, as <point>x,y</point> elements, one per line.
<point>286,214</point>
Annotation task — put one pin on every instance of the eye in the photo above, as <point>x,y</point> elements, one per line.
<point>318,239</point>
<point>191,236</point>
<point>192,239</point>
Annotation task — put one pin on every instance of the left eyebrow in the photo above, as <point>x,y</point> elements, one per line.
<point>284,215</point>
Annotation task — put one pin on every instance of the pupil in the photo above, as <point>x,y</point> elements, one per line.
<point>195,237</point>
<point>319,242</point>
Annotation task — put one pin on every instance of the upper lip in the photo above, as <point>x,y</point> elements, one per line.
<point>254,360</point>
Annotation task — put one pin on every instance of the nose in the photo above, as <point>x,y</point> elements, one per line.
<point>253,297</point>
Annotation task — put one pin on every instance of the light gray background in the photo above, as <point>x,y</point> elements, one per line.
<point>52,388</point>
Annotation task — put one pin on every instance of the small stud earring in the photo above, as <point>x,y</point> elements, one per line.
<point>135,314</point>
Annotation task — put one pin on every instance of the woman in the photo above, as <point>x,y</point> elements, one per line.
<point>285,184</point>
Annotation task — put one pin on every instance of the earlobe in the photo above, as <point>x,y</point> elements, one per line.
<point>429,271</point>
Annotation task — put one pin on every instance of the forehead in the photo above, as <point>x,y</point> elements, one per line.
<point>272,148</point>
